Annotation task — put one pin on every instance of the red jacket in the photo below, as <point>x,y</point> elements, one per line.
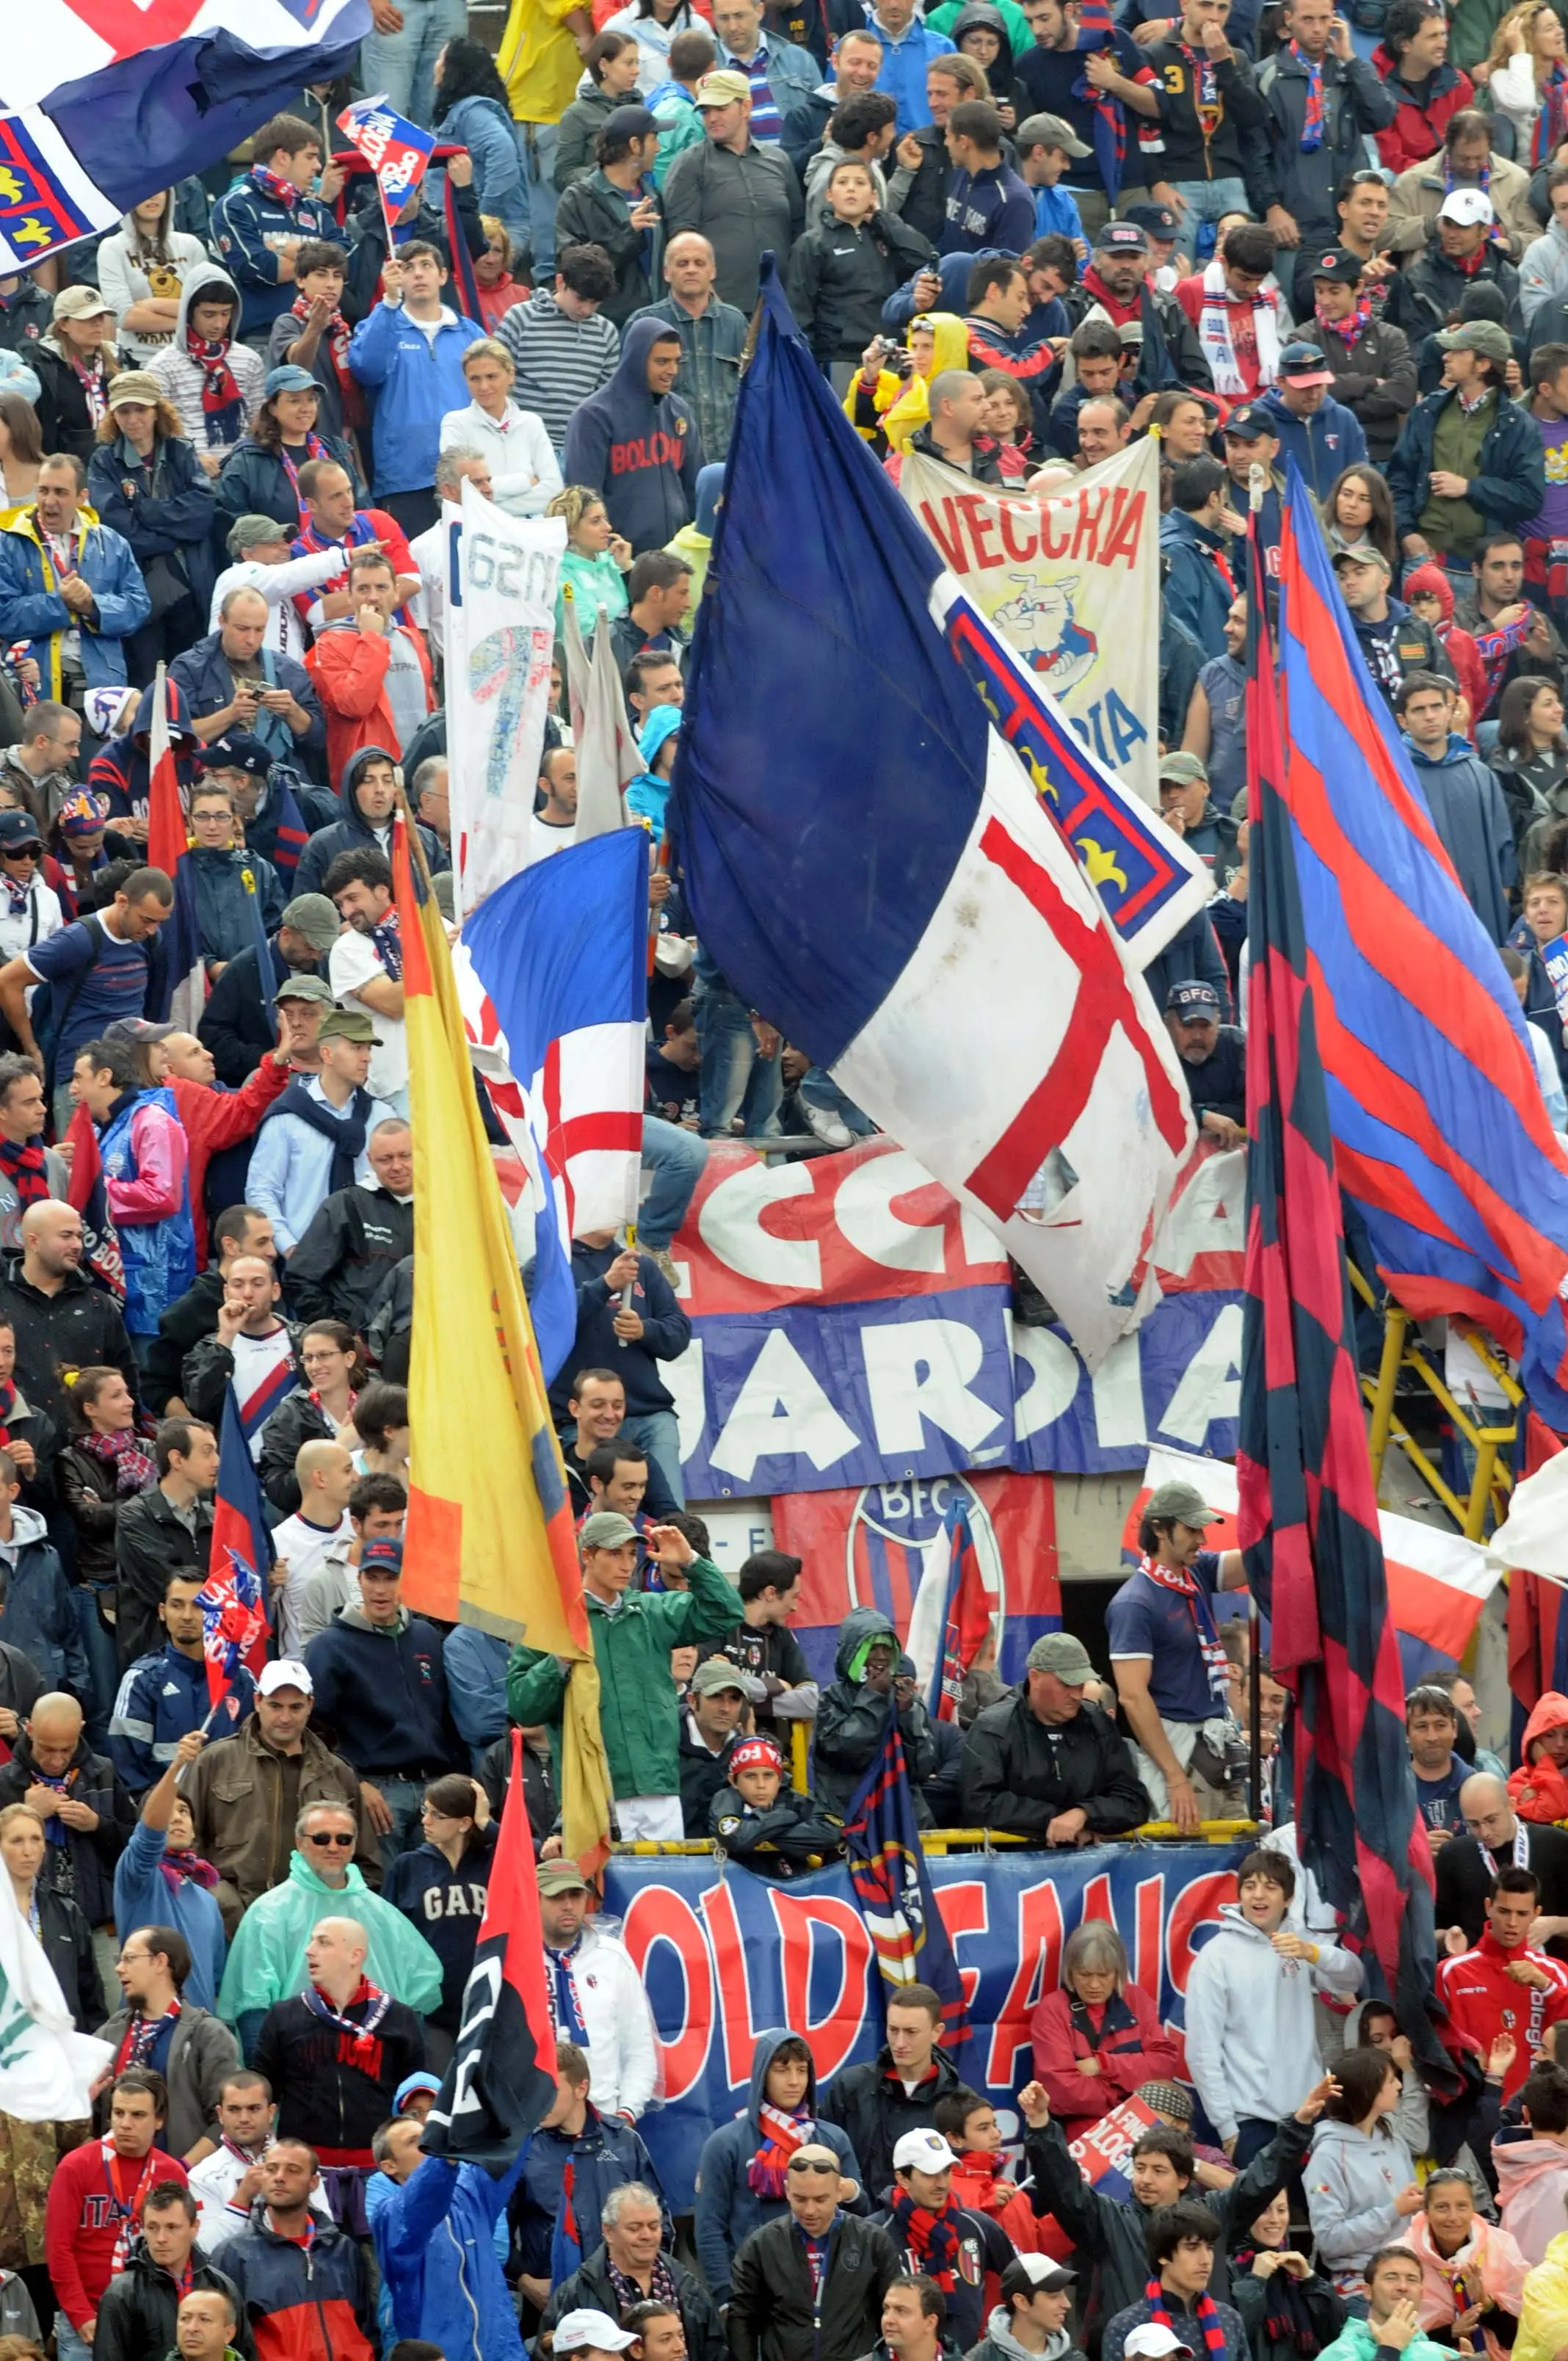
<point>215,1119</point>
<point>383,528</point>
<point>981,2182</point>
<point>82,2223</point>
<point>1063,2031</point>
<point>1538,1790</point>
<point>349,668</point>
<point>1458,646</point>
<point>1416,132</point>
<point>1483,2001</point>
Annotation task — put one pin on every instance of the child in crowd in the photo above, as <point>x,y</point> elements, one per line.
<point>773,1829</point>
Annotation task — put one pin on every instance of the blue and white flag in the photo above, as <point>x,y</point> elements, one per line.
<point>555,1001</point>
<point>869,866</point>
<point>115,99</point>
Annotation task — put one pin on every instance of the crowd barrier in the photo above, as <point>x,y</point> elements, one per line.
<point>724,1955</point>
<point>1491,1440</point>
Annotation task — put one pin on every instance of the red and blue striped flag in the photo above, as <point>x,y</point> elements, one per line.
<point>233,1599</point>
<point>1308,1507</point>
<point>892,1886</point>
<point>1440,1134</point>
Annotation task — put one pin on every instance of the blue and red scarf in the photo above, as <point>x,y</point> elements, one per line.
<point>1312,123</point>
<point>1206,2312</point>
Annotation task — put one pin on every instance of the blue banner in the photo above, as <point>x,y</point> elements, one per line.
<point>725,1955</point>
<point>1176,1380</point>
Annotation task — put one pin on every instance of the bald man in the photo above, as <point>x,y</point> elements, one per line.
<point>1495,1837</point>
<point>87,1815</point>
<point>335,2053</point>
<point>320,1528</point>
<point>62,1319</point>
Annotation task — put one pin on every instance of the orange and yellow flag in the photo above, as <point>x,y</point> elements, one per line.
<point>489,1538</point>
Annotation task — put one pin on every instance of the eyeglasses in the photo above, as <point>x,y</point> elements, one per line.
<point>331,1838</point>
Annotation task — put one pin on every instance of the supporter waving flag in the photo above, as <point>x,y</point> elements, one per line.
<point>1308,1507</point>
<point>233,1599</point>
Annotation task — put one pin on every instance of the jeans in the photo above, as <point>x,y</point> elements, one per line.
<point>736,1079</point>
<point>822,1103</point>
<point>1207,200</point>
<point>102,1663</point>
<point>403,64</point>
<point>537,147</point>
<point>659,1432</point>
<point>68,2346</point>
<point>675,1159</point>
<point>402,1798</point>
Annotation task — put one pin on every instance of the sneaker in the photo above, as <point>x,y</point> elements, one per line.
<point>830,1128</point>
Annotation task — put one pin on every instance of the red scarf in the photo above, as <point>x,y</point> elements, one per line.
<point>931,2238</point>
<point>127,2218</point>
<point>187,1869</point>
<point>282,191</point>
<point>336,335</point>
<point>221,406</point>
<point>1205,89</point>
<point>1354,324</point>
<point>356,2044</point>
<point>1175,1578</point>
<point>782,2134</point>
<point>1468,265</point>
<point>23,1167</point>
<point>1118,312</point>
<point>1205,2311</point>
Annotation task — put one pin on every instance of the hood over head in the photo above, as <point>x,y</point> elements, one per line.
<point>206,280</point>
<point>1429,581</point>
<point>858,1629</point>
<point>637,338</point>
<point>766,2049</point>
<point>354,770</point>
<point>709,484</point>
<point>661,725</point>
<point>1551,1713</point>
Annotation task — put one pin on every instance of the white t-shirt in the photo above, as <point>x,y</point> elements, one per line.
<point>355,960</point>
<point>304,1548</point>
<point>544,840</point>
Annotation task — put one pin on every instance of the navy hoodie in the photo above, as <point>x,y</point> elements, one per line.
<point>727,2208</point>
<point>643,455</point>
<point>384,1694</point>
<point>354,832</point>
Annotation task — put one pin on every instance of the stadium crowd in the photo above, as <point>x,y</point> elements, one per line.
<point>1015,237</point>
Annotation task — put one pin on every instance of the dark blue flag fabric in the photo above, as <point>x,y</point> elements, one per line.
<point>1440,1134</point>
<point>892,1886</point>
<point>1308,1508</point>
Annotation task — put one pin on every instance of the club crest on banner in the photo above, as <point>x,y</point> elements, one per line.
<point>892,1529</point>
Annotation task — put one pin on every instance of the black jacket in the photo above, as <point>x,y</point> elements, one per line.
<point>135,2318</point>
<point>65,421</point>
<point>1426,294</point>
<point>1467,1871</point>
<point>840,276</point>
<point>234,1024</point>
<point>20,1688</point>
<point>87,1488</point>
<point>1375,376</point>
<point>771,2316</point>
<point>794,1834</point>
<point>78,1328</point>
<point>67,1939</point>
<point>320,2099</point>
<point>590,2286</point>
<point>209,1367</point>
<point>296,1420</point>
<point>850,1724</point>
<point>870,2104</point>
<point>703,1777</point>
<point>593,212</point>
<point>1238,145</point>
<point>1303,180</point>
<point>925,206</point>
<point>181,1329</point>
<point>82,1868</point>
<point>149,1539</point>
<point>1110,2233</point>
<point>1018,1779</point>
<point>347,1252</point>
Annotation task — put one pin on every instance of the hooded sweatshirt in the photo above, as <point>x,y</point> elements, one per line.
<point>382,1690</point>
<point>648,796</point>
<point>1543,2315</point>
<point>729,2208</point>
<point>641,452</point>
<point>889,412</point>
<point>1538,1788</point>
<point>1533,2186</point>
<point>1430,580</point>
<point>1353,2177</point>
<point>998,2344</point>
<point>196,392</point>
<point>1488,2263</point>
<point>852,1718</point>
<point>354,830</point>
<point>1250,2029</point>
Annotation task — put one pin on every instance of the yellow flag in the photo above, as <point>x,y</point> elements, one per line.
<point>490,1539</point>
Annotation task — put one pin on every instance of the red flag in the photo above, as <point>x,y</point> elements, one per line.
<point>86,1192</point>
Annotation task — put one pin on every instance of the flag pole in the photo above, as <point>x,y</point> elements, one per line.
<point>1256,485</point>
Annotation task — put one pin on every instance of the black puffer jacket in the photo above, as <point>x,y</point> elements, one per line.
<point>1016,1778</point>
<point>850,1725</point>
<point>869,2103</point>
<point>296,1420</point>
<point>67,1939</point>
<point>82,1868</point>
<point>347,1253</point>
<point>841,275</point>
<point>137,2316</point>
<point>771,2316</point>
<point>78,1328</point>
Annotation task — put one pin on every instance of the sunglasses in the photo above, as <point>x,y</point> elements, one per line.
<point>330,1839</point>
<point>796,2166</point>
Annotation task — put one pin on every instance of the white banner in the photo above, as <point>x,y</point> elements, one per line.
<point>1071,582</point>
<point>499,638</point>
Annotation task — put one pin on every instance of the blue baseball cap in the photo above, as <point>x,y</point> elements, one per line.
<point>1192,1002</point>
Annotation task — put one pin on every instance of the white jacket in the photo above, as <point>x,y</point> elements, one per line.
<point>1513,93</point>
<point>181,378</point>
<point>1252,2043</point>
<point>1543,271</point>
<point>213,2181</point>
<point>525,474</point>
<point>278,585</point>
<point>39,918</point>
<point>124,281</point>
<point>624,2055</point>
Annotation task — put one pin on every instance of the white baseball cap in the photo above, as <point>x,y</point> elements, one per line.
<point>1151,2342</point>
<point>1469,207</point>
<point>288,1673</point>
<point>592,2328</point>
<point>925,2151</point>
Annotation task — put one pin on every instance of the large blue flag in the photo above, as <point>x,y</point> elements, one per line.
<point>1441,1133</point>
<point>1309,1519</point>
<point>561,951</point>
<point>119,98</point>
<point>893,1885</point>
<point>871,868</point>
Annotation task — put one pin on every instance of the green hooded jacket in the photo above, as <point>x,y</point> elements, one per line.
<point>640,1714</point>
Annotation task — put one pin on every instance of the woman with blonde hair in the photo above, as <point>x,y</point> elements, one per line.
<point>499,291</point>
<point>525,474</point>
<point>147,483</point>
<point>596,562</point>
<point>1529,78</point>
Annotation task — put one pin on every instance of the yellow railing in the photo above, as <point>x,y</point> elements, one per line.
<point>941,1841</point>
<point>1403,1350</point>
